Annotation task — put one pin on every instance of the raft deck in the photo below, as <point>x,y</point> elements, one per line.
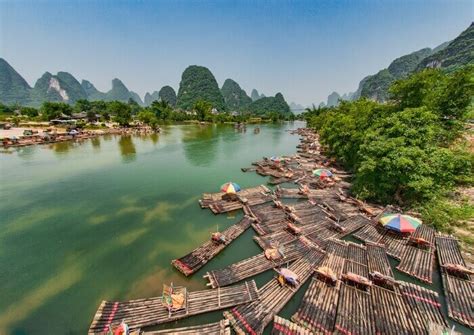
<point>317,311</point>
<point>197,258</point>
<point>254,265</point>
<point>284,327</point>
<point>140,313</point>
<point>458,290</point>
<point>253,317</point>
<point>217,328</point>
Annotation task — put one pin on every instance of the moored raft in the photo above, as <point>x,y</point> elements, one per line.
<point>257,264</point>
<point>196,259</point>
<point>377,260</point>
<point>284,327</point>
<point>140,313</point>
<point>217,328</point>
<point>218,203</point>
<point>354,312</point>
<point>317,311</point>
<point>457,280</point>
<point>423,304</point>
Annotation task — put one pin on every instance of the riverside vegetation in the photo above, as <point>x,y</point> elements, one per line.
<point>414,150</point>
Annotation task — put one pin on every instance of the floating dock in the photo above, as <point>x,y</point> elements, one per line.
<point>140,313</point>
<point>197,258</point>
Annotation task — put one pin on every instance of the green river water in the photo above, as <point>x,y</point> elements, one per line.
<point>103,218</point>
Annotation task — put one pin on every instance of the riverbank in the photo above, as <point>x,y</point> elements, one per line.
<point>26,136</point>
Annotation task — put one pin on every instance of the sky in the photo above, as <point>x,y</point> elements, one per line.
<point>303,49</point>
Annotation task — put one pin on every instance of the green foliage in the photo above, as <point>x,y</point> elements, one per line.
<point>235,98</point>
<point>121,111</point>
<point>168,95</point>
<point>202,109</point>
<point>148,117</point>
<point>29,111</point>
<point>53,110</point>
<point>198,83</point>
<point>410,151</point>
<point>444,214</point>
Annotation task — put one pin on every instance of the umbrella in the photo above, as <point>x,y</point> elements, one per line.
<point>230,187</point>
<point>276,159</point>
<point>322,173</point>
<point>400,222</point>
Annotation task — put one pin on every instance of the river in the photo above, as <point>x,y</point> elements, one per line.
<point>103,218</point>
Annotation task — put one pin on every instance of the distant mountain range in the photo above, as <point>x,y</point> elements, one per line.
<point>197,82</point>
<point>448,56</point>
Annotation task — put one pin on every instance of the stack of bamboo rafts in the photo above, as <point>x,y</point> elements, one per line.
<point>457,280</point>
<point>140,313</point>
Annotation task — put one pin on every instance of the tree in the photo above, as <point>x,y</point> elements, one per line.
<point>121,111</point>
<point>162,109</point>
<point>53,110</point>
<point>202,109</point>
<point>82,105</point>
<point>29,111</point>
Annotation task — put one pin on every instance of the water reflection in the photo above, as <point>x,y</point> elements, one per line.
<point>95,141</point>
<point>127,149</point>
<point>200,144</point>
<point>62,148</point>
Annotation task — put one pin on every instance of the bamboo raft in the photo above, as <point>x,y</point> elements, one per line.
<point>197,258</point>
<point>250,196</point>
<point>217,328</point>
<point>391,315</point>
<point>458,289</point>
<point>352,224</point>
<point>417,263</point>
<point>354,312</point>
<point>284,327</point>
<point>140,313</point>
<point>253,317</point>
<point>254,265</point>
<point>377,260</point>
<point>423,305</point>
<point>318,309</point>
<point>395,244</point>
<point>370,233</point>
<point>319,228</point>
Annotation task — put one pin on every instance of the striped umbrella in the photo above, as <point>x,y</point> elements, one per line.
<point>322,173</point>
<point>230,187</point>
<point>400,222</point>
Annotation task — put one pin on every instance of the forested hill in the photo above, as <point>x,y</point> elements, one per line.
<point>197,84</point>
<point>448,56</point>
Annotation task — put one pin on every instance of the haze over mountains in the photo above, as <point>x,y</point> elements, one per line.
<point>448,56</point>
<point>197,83</point>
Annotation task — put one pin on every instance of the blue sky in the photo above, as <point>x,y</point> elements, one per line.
<point>304,49</point>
